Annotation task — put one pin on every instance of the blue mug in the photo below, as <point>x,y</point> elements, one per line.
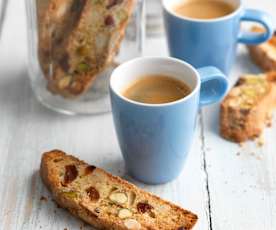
<point>212,42</point>
<point>155,138</point>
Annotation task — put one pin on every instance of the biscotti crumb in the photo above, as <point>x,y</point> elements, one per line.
<point>260,141</point>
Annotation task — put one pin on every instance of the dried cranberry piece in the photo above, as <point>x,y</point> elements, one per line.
<point>93,193</point>
<point>109,20</point>
<point>71,173</point>
<point>89,169</point>
<point>144,207</point>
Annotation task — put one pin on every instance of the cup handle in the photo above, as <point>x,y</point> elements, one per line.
<point>214,85</point>
<point>256,16</point>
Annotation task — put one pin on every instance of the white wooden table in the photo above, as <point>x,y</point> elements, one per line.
<point>230,187</point>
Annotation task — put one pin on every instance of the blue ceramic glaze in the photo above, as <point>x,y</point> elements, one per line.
<point>155,139</point>
<point>212,42</point>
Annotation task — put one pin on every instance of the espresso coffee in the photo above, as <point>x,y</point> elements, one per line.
<point>157,89</point>
<point>204,9</point>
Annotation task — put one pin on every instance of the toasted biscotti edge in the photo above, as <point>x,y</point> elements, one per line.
<point>56,19</point>
<point>253,127</point>
<point>264,55</point>
<point>52,184</point>
<point>255,119</point>
<point>260,57</point>
<point>67,81</point>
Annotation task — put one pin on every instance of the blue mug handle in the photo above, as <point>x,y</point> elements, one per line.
<point>214,85</point>
<point>260,17</point>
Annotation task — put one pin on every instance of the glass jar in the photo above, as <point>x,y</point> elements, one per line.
<point>3,4</point>
<point>154,19</point>
<point>75,44</point>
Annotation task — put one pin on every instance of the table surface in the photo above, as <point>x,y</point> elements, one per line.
<point>229,186</point>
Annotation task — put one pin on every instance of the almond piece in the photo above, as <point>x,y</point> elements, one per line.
<point>132,198</point>
<point>64,82</point>
<point>132,224</point>
<point>124,213</point>
<point>118,197</point>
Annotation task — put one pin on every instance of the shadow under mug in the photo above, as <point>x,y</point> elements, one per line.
<point>155,138</point>
<point>203,42</point>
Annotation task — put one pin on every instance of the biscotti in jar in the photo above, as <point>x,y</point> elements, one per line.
<point>75,44</point>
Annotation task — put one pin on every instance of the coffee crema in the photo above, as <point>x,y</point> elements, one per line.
<point>204,9</point>
<point>156,89</point>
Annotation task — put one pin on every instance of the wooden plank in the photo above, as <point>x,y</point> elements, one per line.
<point>242,182</point>
<point>27,129</point>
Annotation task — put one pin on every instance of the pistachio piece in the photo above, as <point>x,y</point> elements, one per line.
<point>118,197</point>
<point>132,224</point>
<point>83,67</point>
<point>70,195</point>
<point>121,16</point>
<point>124,213</point>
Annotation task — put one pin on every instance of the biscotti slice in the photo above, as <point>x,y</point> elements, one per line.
<point>56,20</point>
<point>41,7</point>
<point>247,108</point>
<point>91,46</point>
<point>264,55</point>
<point>106,201</point>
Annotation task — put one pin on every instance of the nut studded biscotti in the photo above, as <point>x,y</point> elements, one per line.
<point>247,108</point>
<point>264,55</point>
<point>55,19</point>
<point>88,46</point>
<point>106,201</point>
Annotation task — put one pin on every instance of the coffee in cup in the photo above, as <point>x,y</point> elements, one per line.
<point>155,138</point>
<point>156,89</point>
<point>206,32</point>
<point>203,9</point>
